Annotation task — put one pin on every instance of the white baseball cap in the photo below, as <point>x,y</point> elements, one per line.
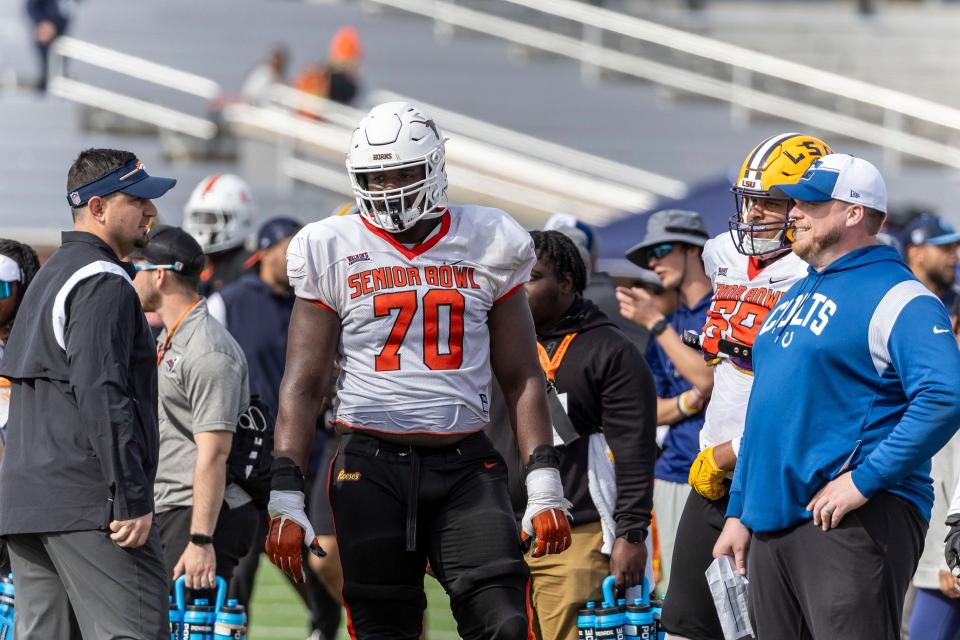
<point>10,270</point>
<point>839,176</point>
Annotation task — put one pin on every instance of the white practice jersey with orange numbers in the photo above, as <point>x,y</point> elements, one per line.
<point>414,320</point>
<point>742,297</point>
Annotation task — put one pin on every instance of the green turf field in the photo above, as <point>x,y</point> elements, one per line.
<point>279,613</point>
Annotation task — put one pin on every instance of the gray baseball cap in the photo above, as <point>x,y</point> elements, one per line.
<point>670,225</point>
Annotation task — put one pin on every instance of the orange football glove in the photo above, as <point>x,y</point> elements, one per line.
<point>289,529</point>
<point>546,519</point>
<point>551,533</point>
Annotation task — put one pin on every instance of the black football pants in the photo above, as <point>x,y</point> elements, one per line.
<point>689,610</point>
<point>397,507</point>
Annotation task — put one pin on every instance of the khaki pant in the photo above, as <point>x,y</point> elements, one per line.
<point>669,499</point>
<point>562,583</point>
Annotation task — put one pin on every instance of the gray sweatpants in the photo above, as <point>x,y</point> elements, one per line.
<point>80,584</point>
<point>848,582</point>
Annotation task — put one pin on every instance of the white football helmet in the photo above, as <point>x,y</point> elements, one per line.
<point>397,135</point>
<point>219,214</point>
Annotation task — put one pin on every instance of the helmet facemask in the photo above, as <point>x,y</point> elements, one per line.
<point>759,239</point>
<point>397,210</point>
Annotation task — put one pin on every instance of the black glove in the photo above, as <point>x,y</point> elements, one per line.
<point>952,549</point>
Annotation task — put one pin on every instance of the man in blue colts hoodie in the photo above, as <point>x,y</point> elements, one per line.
<point>855,389</point>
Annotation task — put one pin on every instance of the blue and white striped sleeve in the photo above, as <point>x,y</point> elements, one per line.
<point>910,331</point>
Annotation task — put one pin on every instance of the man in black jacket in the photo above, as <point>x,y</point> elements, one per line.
<point>607,390</point>
<point>76,485</point>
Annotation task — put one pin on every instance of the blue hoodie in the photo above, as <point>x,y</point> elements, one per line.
<point>856,368</point>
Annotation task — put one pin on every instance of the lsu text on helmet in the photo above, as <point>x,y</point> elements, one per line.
<point>780,159</point>
<point>219,213</point>
<point>394,136</point>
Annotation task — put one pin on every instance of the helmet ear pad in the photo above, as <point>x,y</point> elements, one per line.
<point>393,136</point>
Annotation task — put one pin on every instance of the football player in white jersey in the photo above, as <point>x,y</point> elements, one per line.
<point>418,301</point>
<point>750,267</point>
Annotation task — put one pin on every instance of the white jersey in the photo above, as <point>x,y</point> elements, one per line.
<point>414,343</point>
<point>742,297</point>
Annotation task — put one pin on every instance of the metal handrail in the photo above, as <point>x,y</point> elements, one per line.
<point>140,68</point>
<point>154,114</point>
<point>733,91</point>
<point>162,117</point>
<point>749,60</point>
<point>562,156</point>
<point>495,151</point>
<point>475,167</point>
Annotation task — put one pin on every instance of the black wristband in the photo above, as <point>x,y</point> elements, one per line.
<point>544,456</point>
<point>659,327</point>
<point>635,536</point>
<point>285,475</point>
<point>201,538</point>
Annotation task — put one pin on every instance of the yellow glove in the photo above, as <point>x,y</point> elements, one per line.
<point>706,477</point>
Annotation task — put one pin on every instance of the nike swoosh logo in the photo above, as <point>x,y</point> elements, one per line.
<point>938,331</point>
<point>450,264</point>
<point>489,465</point>
<point>776,280</point>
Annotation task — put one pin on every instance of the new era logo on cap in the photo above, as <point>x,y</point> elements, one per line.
<point>839,176</point>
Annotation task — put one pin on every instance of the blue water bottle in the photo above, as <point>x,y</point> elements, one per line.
<point>197,623</point>
<point>176,620</point>
<point>639,624</point>
<point>199,618</point>
<point>587,621</point>
<point>231,622</point>
<point>657,606</point>
<point>6,607</point>
<point>610,616</point>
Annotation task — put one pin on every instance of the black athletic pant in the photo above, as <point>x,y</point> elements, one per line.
<point>846,583</point>
<point>397,507</point>
<point>232,537</point>
<point>688,610</point>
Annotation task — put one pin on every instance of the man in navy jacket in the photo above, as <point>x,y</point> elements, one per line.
<point>855,390</point>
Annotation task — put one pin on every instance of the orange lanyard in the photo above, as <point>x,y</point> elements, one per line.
<point>550,365</point>
<point>176,325</point>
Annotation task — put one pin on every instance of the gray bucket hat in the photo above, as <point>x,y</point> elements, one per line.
<point>670,225</point>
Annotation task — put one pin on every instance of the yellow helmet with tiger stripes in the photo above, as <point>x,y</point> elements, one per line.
<point>780,159</point>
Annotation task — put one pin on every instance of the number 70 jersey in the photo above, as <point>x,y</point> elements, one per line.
<point>414,319</point>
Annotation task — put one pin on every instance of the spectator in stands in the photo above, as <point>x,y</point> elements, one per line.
<point>313,80</point>
<point>269,72</point>
<point>206,525</point>
<point>600,287</point>
<point>256,310</point>
<point>858,326</point>
<point>343,65</point>
<point>219,215</point>
<point>930,249</point>
<point>50,21</point>
<point>672,247</point>
<point>610,398</point>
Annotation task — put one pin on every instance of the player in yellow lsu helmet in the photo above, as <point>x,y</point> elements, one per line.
<point>750,268</point>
